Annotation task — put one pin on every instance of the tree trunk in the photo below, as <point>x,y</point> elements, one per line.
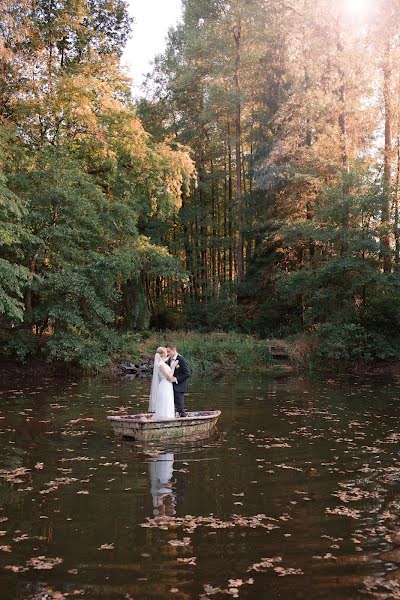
<point>387,163</point>
<point>342,120</point>
<point>28,300</point>
<point>238,126</point>
<point>225,250</point>
<point>396,206</point>
<point>214,230</point>
<point>196,270</point>
<point>230,208</point>
<point>342,112</point>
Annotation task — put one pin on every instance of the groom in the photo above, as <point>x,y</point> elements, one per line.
<point>182,374</point>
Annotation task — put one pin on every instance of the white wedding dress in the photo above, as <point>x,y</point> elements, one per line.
<point>162,392</point>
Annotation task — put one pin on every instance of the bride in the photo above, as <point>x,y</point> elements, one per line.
<point>162,393</point>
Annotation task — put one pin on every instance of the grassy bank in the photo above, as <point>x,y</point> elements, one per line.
<point>206,352</point>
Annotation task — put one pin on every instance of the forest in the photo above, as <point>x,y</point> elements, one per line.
<point>252,188</point>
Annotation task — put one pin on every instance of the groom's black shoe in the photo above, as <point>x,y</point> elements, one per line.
<point>183,414</point>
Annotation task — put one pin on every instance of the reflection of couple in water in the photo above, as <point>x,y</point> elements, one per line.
<point>161,471</point>
<point>169,383</point>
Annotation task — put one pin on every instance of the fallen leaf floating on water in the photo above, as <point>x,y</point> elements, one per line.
<point>388,516</point>
<point>43,563</point>
<point>106,547</point>
<point>210,591</point>
<point>74,433</point>
<point>76,458</point>
<point>189,523</point>
<point>16,568</point>
<point>232,590</point>
<point>188,561</point>
<point>283,466</point>
<point>185,542</point>
<point>344,512</point>
<point>283,572</point>
<point>47,593</point>
<point>235,583</point>
<point>265,563</point>
<point>25,536</point>
<point>375,584</point>
<point>54,484</point>
<point>14,475</point>
<point>354,495</point>
<point>5,548</point>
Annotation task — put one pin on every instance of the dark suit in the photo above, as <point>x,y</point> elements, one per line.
<point>182,374</point>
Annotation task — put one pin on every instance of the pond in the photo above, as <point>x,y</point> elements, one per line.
<point>296,495</point>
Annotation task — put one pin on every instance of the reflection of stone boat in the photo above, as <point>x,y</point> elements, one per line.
<point>145,428</point>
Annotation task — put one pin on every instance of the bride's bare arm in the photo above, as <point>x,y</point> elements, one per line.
<point>169,374</point>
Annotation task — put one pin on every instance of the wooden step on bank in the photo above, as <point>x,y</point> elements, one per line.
<point>278,352</point>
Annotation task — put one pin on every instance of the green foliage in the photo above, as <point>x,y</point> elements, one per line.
<point>257,141</point>
<point>81,183</point>
<point>316,215</point>
<point>166,317</point>
<point>206,352</point>
<point>352,342</point>
<point>13,276</point>
<point>223,312</point>
<point>344,295</point>
<point>382,310</point>
<point>21,344</point>
<point>134,313</point>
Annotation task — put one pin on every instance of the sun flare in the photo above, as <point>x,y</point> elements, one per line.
<point>358,8</point>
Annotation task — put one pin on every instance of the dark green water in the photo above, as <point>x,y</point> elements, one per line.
<point>318,461</point>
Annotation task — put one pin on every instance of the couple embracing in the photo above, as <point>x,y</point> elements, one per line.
<point>169,384</point>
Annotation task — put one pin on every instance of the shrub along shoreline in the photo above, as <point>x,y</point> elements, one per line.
<point>216,353</point>
<point>206,352</point>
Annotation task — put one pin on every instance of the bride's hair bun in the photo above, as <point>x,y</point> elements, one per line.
<point>161,350</point>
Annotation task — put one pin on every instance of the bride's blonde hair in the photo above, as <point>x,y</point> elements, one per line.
<point>162,351</point>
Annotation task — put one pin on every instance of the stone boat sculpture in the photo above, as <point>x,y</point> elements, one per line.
<point>145,428</point>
